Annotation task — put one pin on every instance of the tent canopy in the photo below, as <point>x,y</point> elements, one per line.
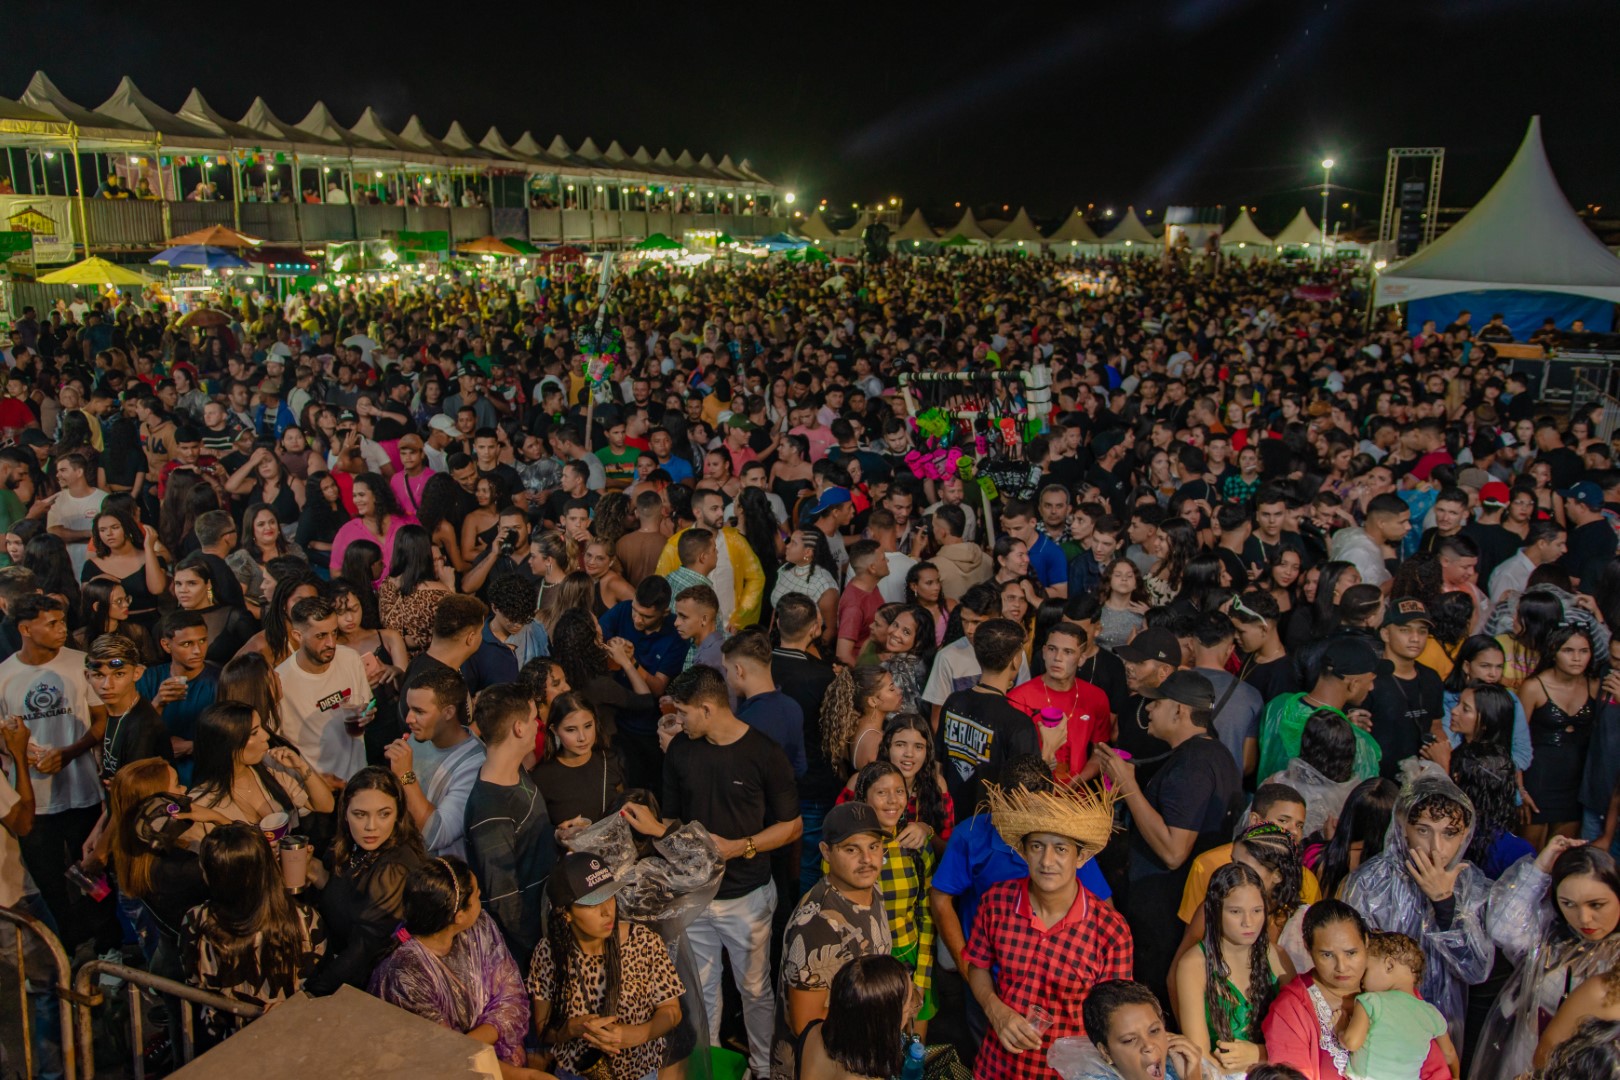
<point>1244,231</point>
<point>968,228</point>
<point>915,228</point>
<point>19,119</point>
<point>129,106</point>
<point>816,227</point>
<point>1301,231</point>
<point>1130,228</point>
<point>1074,228</point>
<point>1019,228</point>
<point>854,231</point>
<point>1522,235</point>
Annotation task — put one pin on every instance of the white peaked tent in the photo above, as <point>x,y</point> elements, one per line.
<point>129,106</point>
<point>1301,232</point>
<point>1020,228</point>
<point>1522,236</point>
<point>1245,233</point>
<point>1075,230</point>
<point>915,229</point>
<point>854,231</point>
<point>968,227</point>
<point>816,228</point>
<point>1130,230</point>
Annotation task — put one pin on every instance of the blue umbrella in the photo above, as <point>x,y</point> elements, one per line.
<point>199,255</point>
<point>782,242</point>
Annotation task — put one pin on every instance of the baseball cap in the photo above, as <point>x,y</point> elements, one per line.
<point>1187,687</point>
<point>156,823</point>
<point>469,371</point>
<point>1409,610</point>
<point>850,819</point>
<point>833,496</point>
<point>586,879</point>
<point>739,422</point>
<point>1152,645</point>
<point>1495,493</point>
<point>1105,441</point>
<point>443,423</point>
<point>1350,656</point>
<point>1474,478</point>
<point>1586,493</point>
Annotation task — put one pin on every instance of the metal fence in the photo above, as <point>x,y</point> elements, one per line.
<point>58,984</point>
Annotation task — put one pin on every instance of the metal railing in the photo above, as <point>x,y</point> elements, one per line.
<point>60,986</point>
<point>87,995</point>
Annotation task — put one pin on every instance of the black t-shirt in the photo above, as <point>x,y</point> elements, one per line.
<point>1258,553</point>
<point>1106,672</point>
<point>735,791</point>
<point>511,850</point>
<point>979,732</point>
<point>1131,735</point>
<point>1566,465</point>
<point>580,790</point>
<point>1496,546</point>
<point>557,500</point>
<point>137,734</point>
<point>1403,710</point>
<point>1272,679</point>
<point>805,679</point>
<point>1591,547</point>
<point>1198,789</point>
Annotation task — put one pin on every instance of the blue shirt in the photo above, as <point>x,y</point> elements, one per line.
<point>678,468</point>
<point>494,663</point>
<point>1521,751</point>
<point>1047,562</point>
<point>180,717</point>
<point>976,857</point>
<point>661,652</point>
<point>775,714</point>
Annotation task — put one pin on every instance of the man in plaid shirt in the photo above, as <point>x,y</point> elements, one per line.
<point>1040,941</point>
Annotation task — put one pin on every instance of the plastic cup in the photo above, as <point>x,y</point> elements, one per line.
<point>275,826</point>
<point>294,852</point>
<point>1039,1019</point>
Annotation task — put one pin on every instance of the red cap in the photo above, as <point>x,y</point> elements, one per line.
<point>1495,493</point>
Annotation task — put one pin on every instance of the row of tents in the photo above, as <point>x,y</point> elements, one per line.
<point>1075,231</point>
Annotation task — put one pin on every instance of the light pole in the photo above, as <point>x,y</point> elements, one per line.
<point>1327,176</point>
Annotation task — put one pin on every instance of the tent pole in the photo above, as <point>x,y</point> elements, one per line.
<point>73,143</point>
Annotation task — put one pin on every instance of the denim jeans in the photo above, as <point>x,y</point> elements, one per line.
<point>1592,825</point>
<point>810,852</point>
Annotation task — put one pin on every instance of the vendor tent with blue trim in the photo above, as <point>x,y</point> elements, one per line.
<point>1522,252</point>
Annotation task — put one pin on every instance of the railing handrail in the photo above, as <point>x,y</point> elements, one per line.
<point>86,983</point>
<point>66,999</point>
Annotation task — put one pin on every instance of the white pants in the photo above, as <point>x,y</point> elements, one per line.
<point>742,927</point>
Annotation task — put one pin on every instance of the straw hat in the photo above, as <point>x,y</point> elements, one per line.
<point>1085,816</point>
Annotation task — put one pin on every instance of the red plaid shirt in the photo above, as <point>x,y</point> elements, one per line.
<point>1053,968</point>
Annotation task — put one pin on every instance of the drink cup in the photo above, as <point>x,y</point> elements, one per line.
<point>1039,1019</point>
<point>275,826</point>
<point>96,888</point>
<point>355,725</point>
<point>294,852</point>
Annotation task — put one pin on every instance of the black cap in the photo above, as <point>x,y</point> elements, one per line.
<point>1409,610</point>
<point>1152,645</point>
<point>850,819</point>
<point>1187,687</point>
<point>156,822</point>
<point>586,880</point>
<point>1105,441</point>
<point>1350,656</point>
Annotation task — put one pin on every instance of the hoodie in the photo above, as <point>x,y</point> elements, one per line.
<point>1457,950</point>
<point>961,566</point>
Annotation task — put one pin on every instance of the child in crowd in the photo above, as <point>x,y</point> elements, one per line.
<point>1389,1028</point>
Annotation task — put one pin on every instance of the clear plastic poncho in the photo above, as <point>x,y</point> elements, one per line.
<point>665,892</point>
<point>1324,798</point>
<point>1549,961</point>
<point>1387,896</point>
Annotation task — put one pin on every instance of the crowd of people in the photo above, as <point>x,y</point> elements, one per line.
<point>1244,700</point>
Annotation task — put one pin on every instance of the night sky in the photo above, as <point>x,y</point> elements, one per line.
<point>1124,101</point>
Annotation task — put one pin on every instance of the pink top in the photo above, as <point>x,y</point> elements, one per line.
<point>355,529</point>
<point>408,490</point>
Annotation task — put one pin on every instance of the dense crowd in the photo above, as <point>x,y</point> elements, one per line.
<point>1245,699</point>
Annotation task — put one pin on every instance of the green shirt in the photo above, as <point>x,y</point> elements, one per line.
<point>1403,1026</point>
<point>1284,722</point>
<point>621,466</point>
<point>12,511</point>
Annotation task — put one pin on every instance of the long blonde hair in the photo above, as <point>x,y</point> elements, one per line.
<point>841,710</point>
<point>131,785</point>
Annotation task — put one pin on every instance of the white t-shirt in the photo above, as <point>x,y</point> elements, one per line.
<point>12,886</point>
<point>313,708</point>
<point>956,668</point>
<point>445,832</point>
<point>54,700</point>
<point>893,586</point>
<point>78,514</point>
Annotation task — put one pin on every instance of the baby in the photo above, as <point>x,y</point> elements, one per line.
<point>1389,1028</point>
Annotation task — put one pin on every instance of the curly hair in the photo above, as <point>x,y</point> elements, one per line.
<point>842,708</point>
<point>1223,1000</point>
<point>440,501</point>
<point>1484,773</point>
<point>1418,578</point>
<point>613,514</point>
<point>576,646</point>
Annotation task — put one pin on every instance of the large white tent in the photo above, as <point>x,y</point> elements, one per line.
<point>815,227</point>
<point>916,229</point>
<point>1130,232</point>
<point>1244,233</point>
<point>1301,232</point>
<point>1074,230</point>
<point>1020,232</point>
<point>1522,237</point>
<point>968,227</point>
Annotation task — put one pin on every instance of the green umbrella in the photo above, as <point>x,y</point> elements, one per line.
<point>658,242</point>
<point>808,254</point>
<point>724,238</point>
<point>522,247</point>
<point>956,241</point>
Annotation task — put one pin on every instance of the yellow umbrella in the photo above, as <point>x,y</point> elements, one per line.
<point>94,271</point>
<point>487,245</point>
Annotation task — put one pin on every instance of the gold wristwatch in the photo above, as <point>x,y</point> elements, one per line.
<point>749,850</point>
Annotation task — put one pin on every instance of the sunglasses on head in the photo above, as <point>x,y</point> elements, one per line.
<point>93,667</point>
<point>1239,606</point>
